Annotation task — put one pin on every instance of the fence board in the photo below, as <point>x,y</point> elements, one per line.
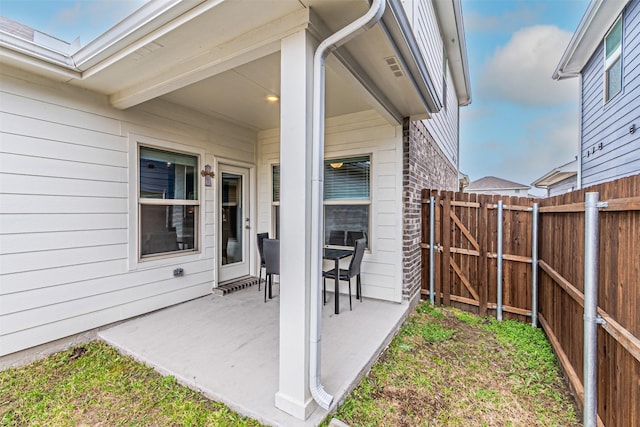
<point>467,277</point>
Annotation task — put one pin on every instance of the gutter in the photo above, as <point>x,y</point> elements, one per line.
<point>342,36</point>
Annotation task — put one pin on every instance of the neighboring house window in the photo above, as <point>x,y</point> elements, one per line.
<point>168,202</point>
<point>347,199</point>
<point>275,200</point>
<point>613,61</point>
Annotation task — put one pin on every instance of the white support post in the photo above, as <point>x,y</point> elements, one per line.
<point>296,77</point>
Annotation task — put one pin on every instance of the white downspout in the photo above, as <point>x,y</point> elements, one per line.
<point>332,42</point>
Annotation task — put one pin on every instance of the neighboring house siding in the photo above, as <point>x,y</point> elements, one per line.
<point>425,166</point>
<point>608,124</point>
<point>64,197</point>
<point>562,187</point>
<point>353,135</point>
<point>523,192</point>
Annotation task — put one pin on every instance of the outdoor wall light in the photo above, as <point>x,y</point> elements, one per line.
<point>207,173</point>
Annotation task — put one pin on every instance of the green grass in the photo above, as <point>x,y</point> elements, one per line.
<point>444,368</point>
<point>451,368</point>
<point>93,384</point>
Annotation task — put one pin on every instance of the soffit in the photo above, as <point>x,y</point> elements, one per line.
<point>209,60</point>
<point>593,26</point>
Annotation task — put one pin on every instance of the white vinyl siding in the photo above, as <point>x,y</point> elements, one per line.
<point>65,205</point>
<point>608,124</point>
<point>443,126</point>
<point>351,136</point>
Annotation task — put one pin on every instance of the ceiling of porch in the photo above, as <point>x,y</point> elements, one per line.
<point>240,95</point>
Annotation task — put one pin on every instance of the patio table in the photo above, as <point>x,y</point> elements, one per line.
<point>336,255</point>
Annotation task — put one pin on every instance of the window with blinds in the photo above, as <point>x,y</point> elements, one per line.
<point>347,179</point>
<point>347,199</point>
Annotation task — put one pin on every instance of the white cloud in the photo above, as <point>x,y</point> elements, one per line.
<point>474,112</point>
<point>545,142</point>
<point>520,72</point>
<point>508,21</point>
<point>90,19</point>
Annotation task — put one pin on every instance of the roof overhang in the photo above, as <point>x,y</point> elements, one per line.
<point>168,45</point>
<point>557,174</point>
<point>596,22</point>
<point>449,13</point>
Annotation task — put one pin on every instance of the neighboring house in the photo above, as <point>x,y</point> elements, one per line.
<point>493,185</point>
<point>463,180</point>
<point>603,54</point>
<point>560,180</point>
<point>137,170</point>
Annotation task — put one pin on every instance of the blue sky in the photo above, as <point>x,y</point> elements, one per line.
<point>69,19</point>
<point>521,123</point>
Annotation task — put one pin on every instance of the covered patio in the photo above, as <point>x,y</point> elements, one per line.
<point>228,347</point>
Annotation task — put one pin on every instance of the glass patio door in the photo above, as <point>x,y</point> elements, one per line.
<point>233,222</point>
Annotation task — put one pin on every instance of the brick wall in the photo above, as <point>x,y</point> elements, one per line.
<point>424,166</point>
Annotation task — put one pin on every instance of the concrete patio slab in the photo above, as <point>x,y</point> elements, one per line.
<point>227,348</point>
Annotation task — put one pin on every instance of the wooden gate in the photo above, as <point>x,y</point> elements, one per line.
<point>465,244</point>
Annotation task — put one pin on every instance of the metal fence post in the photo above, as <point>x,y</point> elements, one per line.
<point>499,275</point>
<point>591,319</point>
<point>432,226</point>
<point>534,266</point>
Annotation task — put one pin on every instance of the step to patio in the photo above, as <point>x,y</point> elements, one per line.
<point>235,285</point>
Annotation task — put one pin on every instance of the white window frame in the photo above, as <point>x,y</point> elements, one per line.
<point>369,202</point>
<point>275,205</point>
<point>352,202</point>
<point>136,261</point>
<point>614,57</point>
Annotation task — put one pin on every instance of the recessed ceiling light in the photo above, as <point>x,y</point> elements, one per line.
<point>273,98</point>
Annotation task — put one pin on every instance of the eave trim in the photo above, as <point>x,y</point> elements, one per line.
<point>396,27</point>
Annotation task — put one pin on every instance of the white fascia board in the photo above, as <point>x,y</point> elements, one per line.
<point>10,42</point>
<point>153,20</point>
<point>593,26</point>
<point>396,26</point>
<point>449,14</point>
<point>553,177</point>
<point>557,174</point>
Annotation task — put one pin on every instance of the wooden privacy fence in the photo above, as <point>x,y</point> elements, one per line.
<point>543,276</point>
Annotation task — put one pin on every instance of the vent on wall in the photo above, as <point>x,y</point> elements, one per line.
<point>393,64</point>
<point>145,50</point>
